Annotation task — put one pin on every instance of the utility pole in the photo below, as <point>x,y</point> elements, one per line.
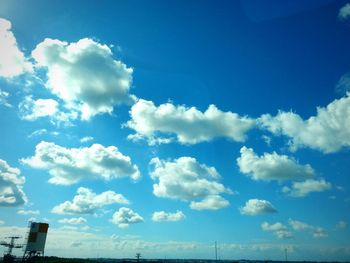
<point>216,252</point>
<point>285,253</point>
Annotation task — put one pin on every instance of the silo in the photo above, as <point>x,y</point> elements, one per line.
<point>36,239</point>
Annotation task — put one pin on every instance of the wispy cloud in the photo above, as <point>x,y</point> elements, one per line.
<point>31,110</point>
<point>316,231</point>
<point>73,220</point>
<point>344,12</point>
<point>3,99</point>
<point>28,212</point>
<point>341,225</point>
<point>278,229</point>
<point>86,139</point>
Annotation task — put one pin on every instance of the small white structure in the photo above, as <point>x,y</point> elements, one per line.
<point>36,240</point>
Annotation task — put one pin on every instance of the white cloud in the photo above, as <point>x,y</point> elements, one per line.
<point>302,189</point>
<point>2,222</point>
<point>343,85</point>
<point>88,202</point>
<point>328,131</point>
<point>340,188</point>
<point>11,186</point>
<point>60,240</point>
<point>271,166</point>
<point>298,225</point>
<point>283,234</point>
<point>73,220</point>
<point>187,180</point>
<point>3,98</point>
<point>344,12</point>
<point>161,216</point>
<point>12,60</point>
<point>41,132</point>
<point>255,207</point>
<point>341,225</point>
<point>125,216</point>
<point>189,125</point>
<point>278,229</point>
<point>71,165</point>
<point>28,212</point>
<point>319,232</point>
<point>210,202</point>
<point>85,75</point>
<point>267,139</point>
<point>86,139</point>
<point>31,110</point>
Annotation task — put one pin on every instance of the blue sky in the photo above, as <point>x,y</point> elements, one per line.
<point>160,127</point>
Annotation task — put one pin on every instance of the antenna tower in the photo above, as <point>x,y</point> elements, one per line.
<point>8,257</point>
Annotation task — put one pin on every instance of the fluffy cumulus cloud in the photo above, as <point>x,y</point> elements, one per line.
<point>210,202</point>
<point>73,220</point>
<point>302,189</point>
<point>71,165</point>
<point>88,202</point>
<point>328,131</point>
<point>187,180</point>
<point>255,207</point>
<point>188,125</point>
<point>278,229</point>
<point>161,216</point>
<point>271,166</point>
<point>31,110</point>
<point>85,75</point>
<point>12,60</point>
<point>11,186</point>
<point>344,12</point>
<point>125,216</point>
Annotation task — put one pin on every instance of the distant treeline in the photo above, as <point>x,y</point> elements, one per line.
<point>108,260</point>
